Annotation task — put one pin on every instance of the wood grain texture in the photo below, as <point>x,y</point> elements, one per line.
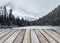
<point>29,35</point>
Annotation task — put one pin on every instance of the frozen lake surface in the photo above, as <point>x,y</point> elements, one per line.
<point>38,27</point>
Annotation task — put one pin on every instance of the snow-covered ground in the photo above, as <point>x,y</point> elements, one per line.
<point>38,27</point>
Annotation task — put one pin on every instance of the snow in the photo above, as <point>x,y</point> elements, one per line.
<point>22,14</point>
<point>38,27</point>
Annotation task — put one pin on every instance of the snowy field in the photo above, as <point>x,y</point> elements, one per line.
<point>38,27</point>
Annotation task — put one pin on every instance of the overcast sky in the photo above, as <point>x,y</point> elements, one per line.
<point>34,8</point>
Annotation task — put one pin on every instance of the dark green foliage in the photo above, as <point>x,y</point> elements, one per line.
<point>56,22</point>
<point>10,20</point>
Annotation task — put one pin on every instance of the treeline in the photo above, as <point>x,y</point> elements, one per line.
<point>7,18</point>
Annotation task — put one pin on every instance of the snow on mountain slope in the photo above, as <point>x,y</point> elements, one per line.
<point>24,15</point>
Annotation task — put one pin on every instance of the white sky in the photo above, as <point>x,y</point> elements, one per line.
<point>34,8</point>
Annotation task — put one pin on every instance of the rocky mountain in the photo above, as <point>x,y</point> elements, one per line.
<point>52,18</point>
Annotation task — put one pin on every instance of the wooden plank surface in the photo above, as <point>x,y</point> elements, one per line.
<point>41,38</point>
<point>10,39</point>
<point>56,38</point>
<point>29,35</point>
<point>33,37</point>
<point>20,37</point>
<point>50,40</point>
<point>7,36</point>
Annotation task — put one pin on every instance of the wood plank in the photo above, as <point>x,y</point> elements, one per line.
<point>7,36</point>
<point>4,33</point>
<point>51,40</point>
<point>11,38</point>
<point>56,34</point>
<point>53,36</point>
<point>27,37</point>
<point>20,37</point>
<point>41,38</point>
<point>1,30</point>
<point>34,38</point>
<point>56,30</point>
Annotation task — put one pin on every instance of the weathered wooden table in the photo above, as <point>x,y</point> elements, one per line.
<point>29,36</point>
